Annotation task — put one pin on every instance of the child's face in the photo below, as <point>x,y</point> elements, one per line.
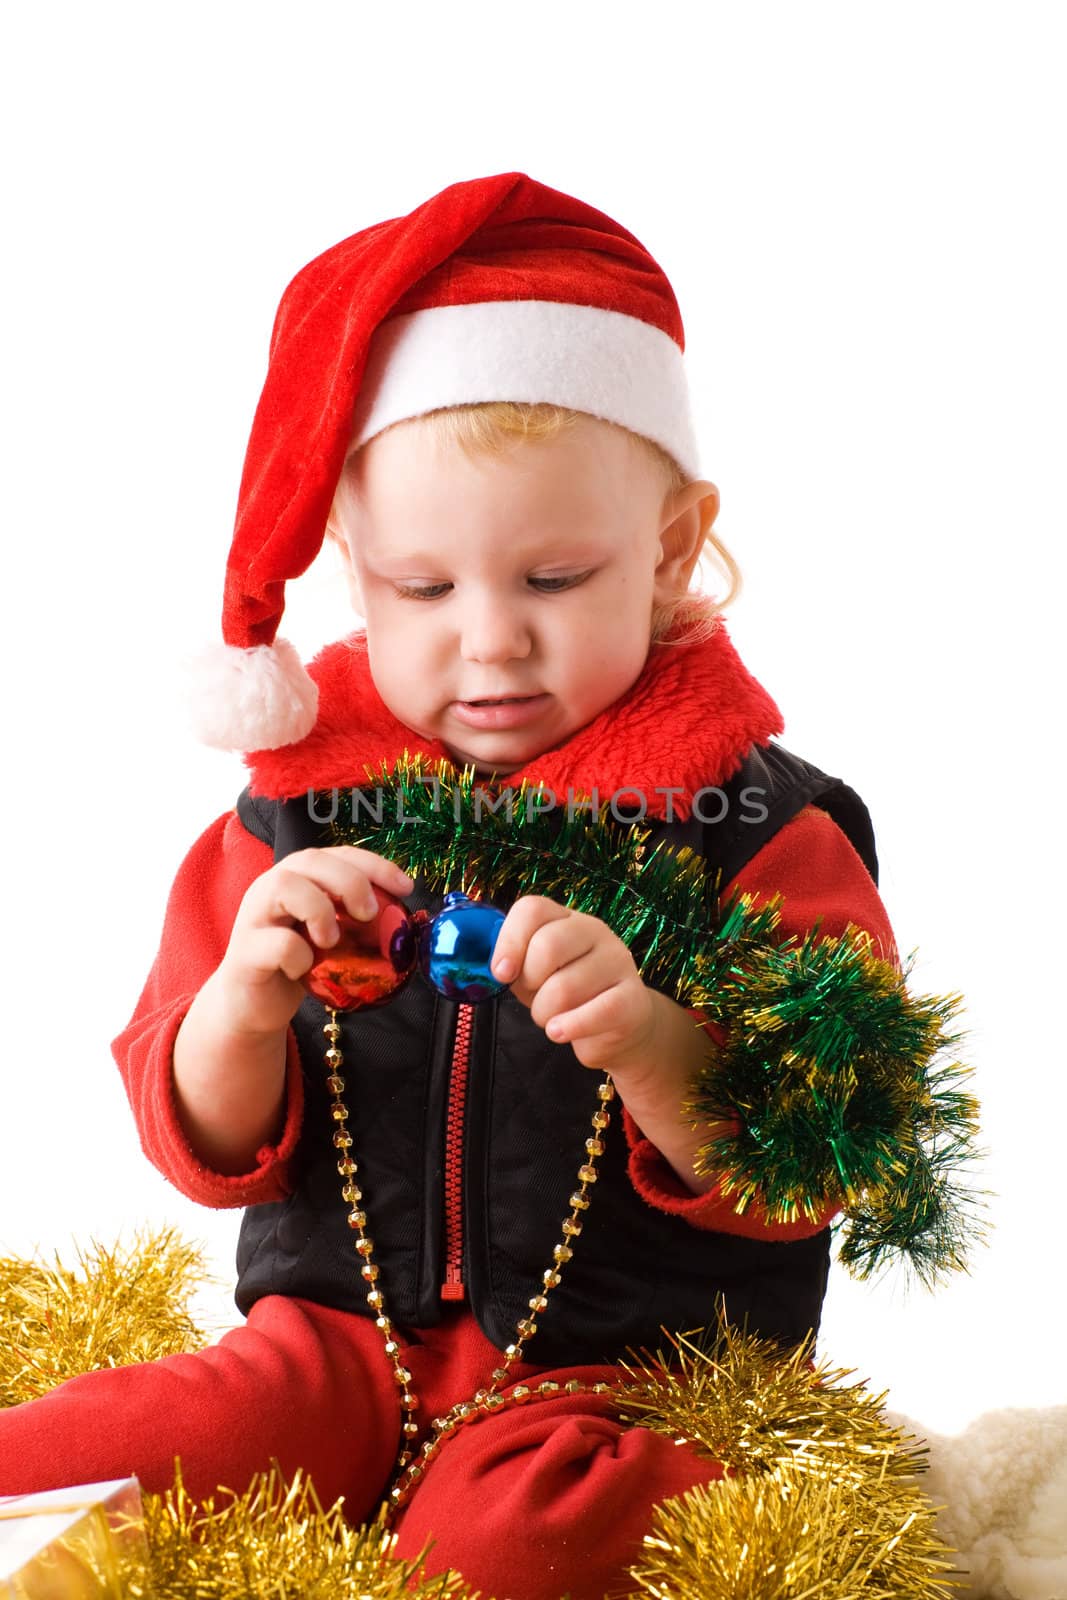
<point>529,574</point>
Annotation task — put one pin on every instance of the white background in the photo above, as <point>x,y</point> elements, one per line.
<point>861,210</point>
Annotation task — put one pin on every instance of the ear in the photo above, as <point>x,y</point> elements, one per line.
<point>688,515</point>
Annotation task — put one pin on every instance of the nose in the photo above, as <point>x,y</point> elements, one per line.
<point>494,630</point>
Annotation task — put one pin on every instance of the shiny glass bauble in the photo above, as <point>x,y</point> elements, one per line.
<point>370,962</point>
<point>455,949</point>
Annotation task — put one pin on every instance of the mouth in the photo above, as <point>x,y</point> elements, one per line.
<point>502,711</point>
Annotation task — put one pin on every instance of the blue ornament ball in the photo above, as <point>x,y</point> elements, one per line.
<point>456,948</point>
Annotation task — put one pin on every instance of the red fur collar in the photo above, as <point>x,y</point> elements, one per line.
<point>686,723</point>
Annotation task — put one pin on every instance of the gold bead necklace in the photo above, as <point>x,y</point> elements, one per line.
<point>410,1464</point>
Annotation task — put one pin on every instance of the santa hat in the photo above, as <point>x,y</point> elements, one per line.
<point>494,289</point>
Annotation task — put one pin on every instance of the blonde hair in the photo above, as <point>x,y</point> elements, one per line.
<point>491,427</point>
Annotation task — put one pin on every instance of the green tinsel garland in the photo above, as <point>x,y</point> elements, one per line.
<point>831,1081</point>
<point>438,824</point>
<point>830,1068</point>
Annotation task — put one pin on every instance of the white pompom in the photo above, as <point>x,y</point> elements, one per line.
<point>256,699</point>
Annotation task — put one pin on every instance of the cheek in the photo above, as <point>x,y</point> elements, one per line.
<point>607,656</point>
<point>402,656</point>
<point>390,623</point>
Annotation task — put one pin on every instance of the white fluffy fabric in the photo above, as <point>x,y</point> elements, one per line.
<point>600,362</point>
<point>257,699</point>
<point>1002,1487</point>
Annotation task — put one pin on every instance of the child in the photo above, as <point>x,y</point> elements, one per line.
<point>523,571</point>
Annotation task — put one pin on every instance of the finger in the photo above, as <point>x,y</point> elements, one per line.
<point>559,946</point>
<point>284,897</point>
<point>609,1018</point>
<point>386,874</point>
<point>335,873</point>
<point>287,952</point>
<point>573,983</point>
<point>274,950</point>
<point>345,871</point>
<point>538,936</point>
<point>524,919</point>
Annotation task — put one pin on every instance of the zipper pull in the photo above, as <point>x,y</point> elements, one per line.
<point>453,1288</point>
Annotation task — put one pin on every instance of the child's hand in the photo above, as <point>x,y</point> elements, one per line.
<point>257,986</point>
<point>579,981</point>
<point>581,985</point>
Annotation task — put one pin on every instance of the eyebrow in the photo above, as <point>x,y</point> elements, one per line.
<point>407,559</point>
<point>567,551</point>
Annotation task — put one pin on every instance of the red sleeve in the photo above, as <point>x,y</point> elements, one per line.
<point>813,866</point>
<point>203,902</point>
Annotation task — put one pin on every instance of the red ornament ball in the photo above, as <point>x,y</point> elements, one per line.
<point>371,961</point>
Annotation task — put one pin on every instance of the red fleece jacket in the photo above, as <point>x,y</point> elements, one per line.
<point>686,724</point>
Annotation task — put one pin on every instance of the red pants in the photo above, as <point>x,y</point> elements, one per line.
<point>531,1503</point>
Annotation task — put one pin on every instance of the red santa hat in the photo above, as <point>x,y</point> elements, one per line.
<point>495,289</point>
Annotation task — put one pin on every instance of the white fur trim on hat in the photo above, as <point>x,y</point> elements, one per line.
<point>257,699</point>
<point>602,362</point>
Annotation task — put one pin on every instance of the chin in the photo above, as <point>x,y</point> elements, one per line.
<point>484,766</point>
<point>511,756</point>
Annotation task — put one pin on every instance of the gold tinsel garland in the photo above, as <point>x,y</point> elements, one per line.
<point>827,1506</point>
<point>788,1535</point>
<point>826,1502</point>
<point>275,1540</point>
<point>115,1307</point>
<point>742,1401</point>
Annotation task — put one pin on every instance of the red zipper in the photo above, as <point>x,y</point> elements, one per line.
<point>452,1288</point>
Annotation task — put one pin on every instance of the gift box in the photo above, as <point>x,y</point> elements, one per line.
<point>72,1544</point>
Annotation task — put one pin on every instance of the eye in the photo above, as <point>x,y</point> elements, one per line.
<point>429,593</point>
<point>554,585</point>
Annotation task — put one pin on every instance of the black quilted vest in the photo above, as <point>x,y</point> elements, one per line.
<point>635,1270</point>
